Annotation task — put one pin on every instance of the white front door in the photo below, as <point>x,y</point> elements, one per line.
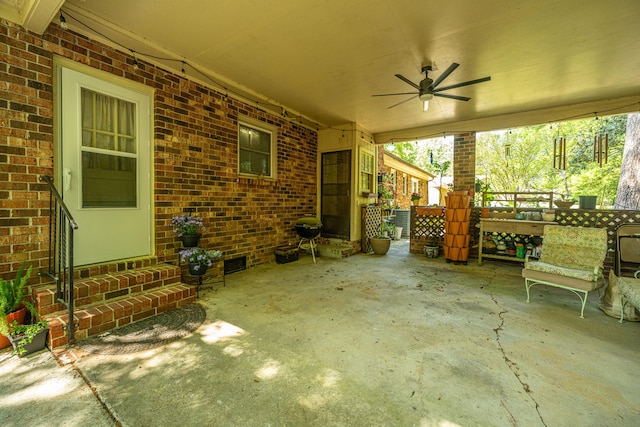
<point>105,144</point>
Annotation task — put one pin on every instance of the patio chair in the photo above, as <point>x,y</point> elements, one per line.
<point>572,258</point>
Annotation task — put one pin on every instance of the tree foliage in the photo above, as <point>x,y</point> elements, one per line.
<point>522,159</point>
<point>427,154</point>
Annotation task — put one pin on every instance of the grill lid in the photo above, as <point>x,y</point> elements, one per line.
<point>308,222</point>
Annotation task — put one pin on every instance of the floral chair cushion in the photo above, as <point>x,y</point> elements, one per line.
<point>588,275</point>
<point>575,248</point>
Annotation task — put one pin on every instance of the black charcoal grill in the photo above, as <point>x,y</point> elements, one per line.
<point>308,228</point>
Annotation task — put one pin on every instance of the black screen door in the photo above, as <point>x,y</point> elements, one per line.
<point>335,198</point>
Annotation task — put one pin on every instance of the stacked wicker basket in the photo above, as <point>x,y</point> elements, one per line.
<point>457,217</point>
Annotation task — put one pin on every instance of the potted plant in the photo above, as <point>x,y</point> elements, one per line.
<point>188,228</point>
<point>565,203</point>
<point>390,230</point>
<point>432,247</point>
<point>381,242</point>
<point>13,306</point>
<point>199,259</point>
<point>27,339</point>
<point>415,198</point>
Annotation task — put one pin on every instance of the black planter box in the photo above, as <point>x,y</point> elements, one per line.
<point>285,254</point>
<point>39,342</point>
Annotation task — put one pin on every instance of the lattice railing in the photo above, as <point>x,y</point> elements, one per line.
<point>609,219</point>
<point>425,226</point>
<point>371,219</point>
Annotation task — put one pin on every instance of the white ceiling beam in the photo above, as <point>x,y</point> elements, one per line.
<point>527,118</point>
<point>34,15</point>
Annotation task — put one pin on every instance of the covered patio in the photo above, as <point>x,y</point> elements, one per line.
<point>365,340</point>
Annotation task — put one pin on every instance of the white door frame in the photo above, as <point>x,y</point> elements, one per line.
<point>104,234</point>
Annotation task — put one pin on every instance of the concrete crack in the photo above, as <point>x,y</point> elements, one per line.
<point>67,359</point>
<point>96,393</point>
<point>513,367</point>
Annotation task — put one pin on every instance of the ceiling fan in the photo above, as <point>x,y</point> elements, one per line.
<point>428,88</point>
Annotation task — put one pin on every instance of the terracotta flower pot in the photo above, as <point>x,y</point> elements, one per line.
<point>449,214</point>
<point>17,315</point>
<point>462,215</point>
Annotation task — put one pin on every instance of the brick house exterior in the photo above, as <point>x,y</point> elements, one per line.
<point>395,168</point>
<point>194,164</point>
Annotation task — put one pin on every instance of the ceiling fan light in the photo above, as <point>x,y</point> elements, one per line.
<point>425,96</point>
<point>425,106</point>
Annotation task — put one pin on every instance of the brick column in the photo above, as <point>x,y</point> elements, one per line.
<point>464,161</point>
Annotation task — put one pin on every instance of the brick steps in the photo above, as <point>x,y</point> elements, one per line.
<point>109,301</point>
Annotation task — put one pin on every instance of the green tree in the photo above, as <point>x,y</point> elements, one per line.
<point>522,159</point>
<point>424,153</point>
<point>405,150</point>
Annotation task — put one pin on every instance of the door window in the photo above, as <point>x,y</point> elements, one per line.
<point>109,151</point>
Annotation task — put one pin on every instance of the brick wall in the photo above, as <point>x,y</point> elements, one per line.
<point>195,154</point>
<point>464,161</point>
<point>403,200</point>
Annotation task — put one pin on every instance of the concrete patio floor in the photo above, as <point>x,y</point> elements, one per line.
<point>398,340</point>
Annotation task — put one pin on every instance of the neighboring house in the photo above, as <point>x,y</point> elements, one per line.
<point>404,178</point>
<point>438,190</point>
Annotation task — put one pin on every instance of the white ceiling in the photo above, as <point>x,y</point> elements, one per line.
<point>323,59</point>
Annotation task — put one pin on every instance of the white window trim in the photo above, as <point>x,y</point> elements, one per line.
<point>370,172</point>
<point>415,185</point>
<point>264,127</point>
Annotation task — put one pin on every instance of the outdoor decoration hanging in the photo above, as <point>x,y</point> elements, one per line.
<point>600,153</point>
<point>560,153</point>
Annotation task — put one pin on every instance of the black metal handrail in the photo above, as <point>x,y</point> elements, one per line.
<point>60,268</point>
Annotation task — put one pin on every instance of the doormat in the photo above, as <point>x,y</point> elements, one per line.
<point>148,333</point>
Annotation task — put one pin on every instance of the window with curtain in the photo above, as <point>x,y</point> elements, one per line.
<point>256,150</point>
<point>109,151</point>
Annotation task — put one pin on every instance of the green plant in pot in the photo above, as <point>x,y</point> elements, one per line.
<point>381,242</point>
<point>415,198</point>
<point>27,339</point>
<point>188,228</point>
<point>13,305</point>
<point>199,260</point>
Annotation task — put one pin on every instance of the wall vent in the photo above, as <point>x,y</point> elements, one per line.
<point>235,264</point>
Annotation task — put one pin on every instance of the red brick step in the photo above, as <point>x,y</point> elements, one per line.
<point>113,300</point>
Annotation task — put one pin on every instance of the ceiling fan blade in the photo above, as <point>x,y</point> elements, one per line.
<point>401,102</point>
<point>445,95</point>
<point>445,74</point>
<point>470,82</point>
<point>407,81</point>
<point>393,94</point>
